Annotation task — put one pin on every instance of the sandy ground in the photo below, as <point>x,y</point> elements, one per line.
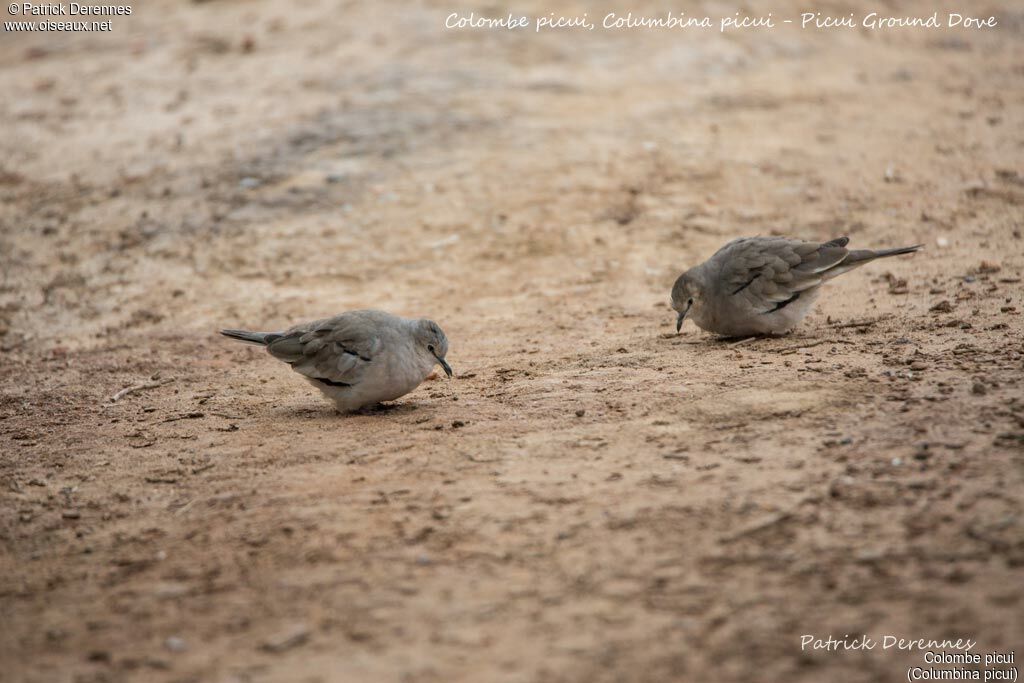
<point>592,498</point>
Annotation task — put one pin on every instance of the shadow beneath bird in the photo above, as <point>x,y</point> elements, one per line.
<point>396,409</point>
<point>308,412</point>
<point>303,412</point>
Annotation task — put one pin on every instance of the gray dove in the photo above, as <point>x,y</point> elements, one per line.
<point>358,358</point>
<point>764,285</point>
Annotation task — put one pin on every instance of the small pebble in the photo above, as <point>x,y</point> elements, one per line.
<point>175,644</point>
<point>988,267</point>
<point>287,639</point>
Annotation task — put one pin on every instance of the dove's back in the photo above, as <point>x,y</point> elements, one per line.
<point>766,285</point>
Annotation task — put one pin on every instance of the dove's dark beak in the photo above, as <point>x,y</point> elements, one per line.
<point>680,319</point>
<point>444,365</point>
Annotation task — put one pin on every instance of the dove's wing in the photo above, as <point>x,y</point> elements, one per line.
<point>767,273</point>
<point>336,350</point>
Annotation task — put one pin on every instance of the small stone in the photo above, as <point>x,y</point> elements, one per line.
<point>286,640</point>
<point>581,412</point>
<point>56,635</point>
<point>979,389</point>
<point>942,307</point>
<point>175,644</point>
<point>871,555</point>
<point>898,285</point>
<point>170,590</point>
<point>986,267</point>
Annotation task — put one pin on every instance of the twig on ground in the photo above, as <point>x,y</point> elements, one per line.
<point>865,323</point>
<point>797,347</point>
<point>860,323</point>
<point>187,416</point>
<point>743,341</point>
<point>758,526</point>
<point>134,389</point>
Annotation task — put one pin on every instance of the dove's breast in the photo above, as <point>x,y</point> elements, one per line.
<point>733,316</point>
<point>393,373</point>
<point>400,374</point>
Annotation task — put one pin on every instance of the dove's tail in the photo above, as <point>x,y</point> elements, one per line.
<point>859,256</point>
<point>260,338</point>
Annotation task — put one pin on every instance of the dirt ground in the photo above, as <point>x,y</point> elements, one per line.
<point>593,497</point>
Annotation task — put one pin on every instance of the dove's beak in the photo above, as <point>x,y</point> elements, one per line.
<point>680,319</point>
<point>444,365</point>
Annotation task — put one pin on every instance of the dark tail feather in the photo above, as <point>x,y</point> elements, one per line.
<point>896,252</point>
<point>863,255</point>
<point>261,338</point>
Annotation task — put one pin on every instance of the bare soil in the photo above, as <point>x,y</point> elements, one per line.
<point>593,497</point>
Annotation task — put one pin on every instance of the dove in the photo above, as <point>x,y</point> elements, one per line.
<point>358,358</point>
<point>764,285</point>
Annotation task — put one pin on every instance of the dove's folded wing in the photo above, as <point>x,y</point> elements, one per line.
<point>335,351</point>
<point>767,273</point>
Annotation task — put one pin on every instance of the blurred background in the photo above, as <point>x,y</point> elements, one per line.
<point>593,497</point>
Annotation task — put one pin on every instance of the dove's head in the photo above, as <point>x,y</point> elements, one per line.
<point>430,337</point>
<point>685,292</point>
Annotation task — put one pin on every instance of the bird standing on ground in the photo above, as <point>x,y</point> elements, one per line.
<point>358,358</point>
<point>764,285</point>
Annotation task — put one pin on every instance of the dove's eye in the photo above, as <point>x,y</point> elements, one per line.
<point>690,302</point>
<point>430,347</point>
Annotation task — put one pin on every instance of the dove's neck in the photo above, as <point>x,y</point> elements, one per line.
<point>425,362</point>
<point>701,311</point>
<point>417,362</point>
